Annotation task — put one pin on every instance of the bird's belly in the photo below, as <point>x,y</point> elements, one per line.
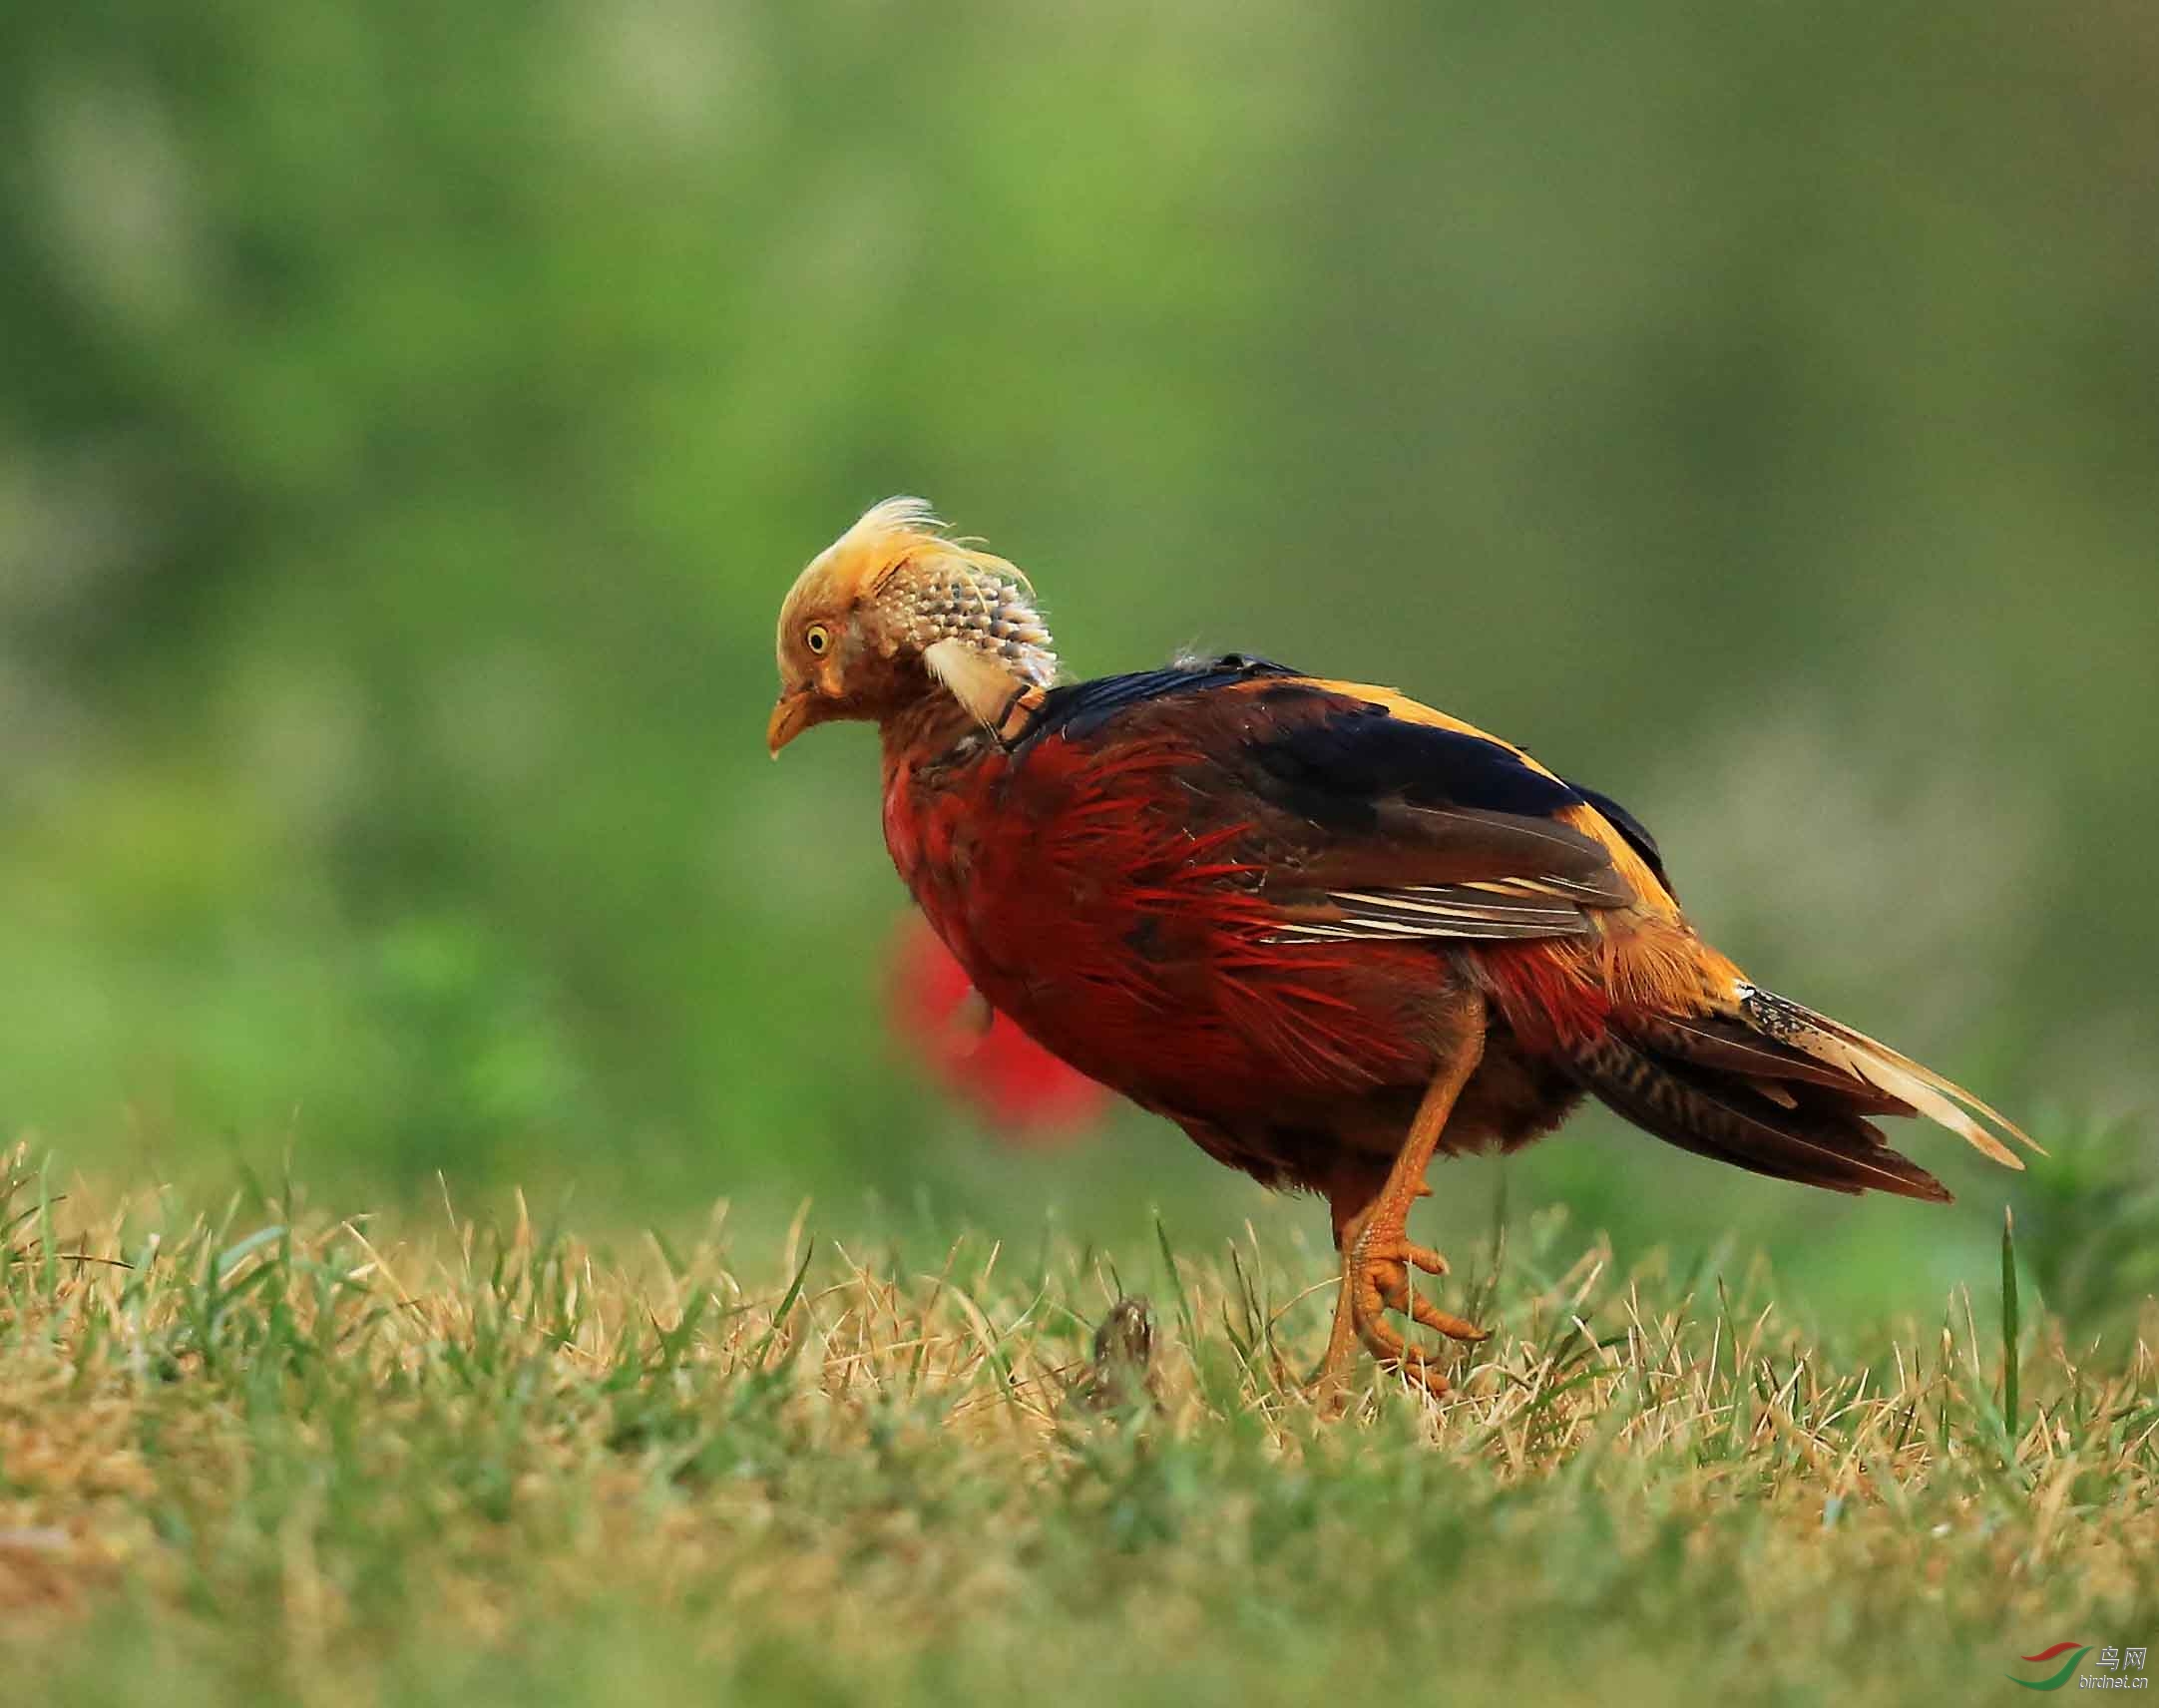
<point>1193,1022</point>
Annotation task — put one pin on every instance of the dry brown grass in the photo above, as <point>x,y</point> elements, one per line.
<point>336,1461</point>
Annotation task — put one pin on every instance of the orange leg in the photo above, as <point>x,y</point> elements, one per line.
<point>1371,1232</point>
<point>1350,1197</point>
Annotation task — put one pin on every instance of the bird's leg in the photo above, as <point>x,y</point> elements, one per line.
<point>1373,1239</point>
<point>1350,1196</point>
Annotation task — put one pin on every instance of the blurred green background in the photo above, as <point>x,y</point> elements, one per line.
<point>411,415</point>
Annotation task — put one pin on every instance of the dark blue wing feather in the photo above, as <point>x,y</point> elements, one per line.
<point>1082,709</point>
<point>1338,766</point>
<point>1637,833</point>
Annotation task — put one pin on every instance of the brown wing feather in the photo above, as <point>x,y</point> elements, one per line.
<point>1362,838</point>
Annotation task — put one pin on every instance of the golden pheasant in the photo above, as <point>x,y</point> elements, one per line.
<point>1325,929</point>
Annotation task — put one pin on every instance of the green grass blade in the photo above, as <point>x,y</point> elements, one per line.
<point>2012,1397</point>
<point>1176,1288</point>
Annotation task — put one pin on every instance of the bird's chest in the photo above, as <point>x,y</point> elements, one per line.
<point>1031,880</point>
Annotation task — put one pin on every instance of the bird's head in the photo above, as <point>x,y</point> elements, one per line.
<point>896,608</point>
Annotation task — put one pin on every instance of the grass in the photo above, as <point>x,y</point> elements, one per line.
<point>272,1454</point>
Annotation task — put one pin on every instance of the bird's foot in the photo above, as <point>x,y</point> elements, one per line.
<point>1375,1279</point>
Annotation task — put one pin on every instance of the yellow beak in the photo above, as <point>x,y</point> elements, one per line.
<point>792,715</point>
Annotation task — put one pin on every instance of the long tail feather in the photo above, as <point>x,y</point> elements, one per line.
<point>1854,1052</point>
<point>1729,1118</point>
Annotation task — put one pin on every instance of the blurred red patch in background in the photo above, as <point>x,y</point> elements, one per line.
<point>977,1056</point>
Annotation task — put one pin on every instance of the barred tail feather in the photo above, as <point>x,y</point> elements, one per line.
<point>1807,1133</point>
<point>1837,1045</point>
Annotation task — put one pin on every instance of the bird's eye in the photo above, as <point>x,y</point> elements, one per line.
<point>819,639</point>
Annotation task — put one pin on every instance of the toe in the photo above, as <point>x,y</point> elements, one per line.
<point>1400,1251</point>
<point>1423,1311</point>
